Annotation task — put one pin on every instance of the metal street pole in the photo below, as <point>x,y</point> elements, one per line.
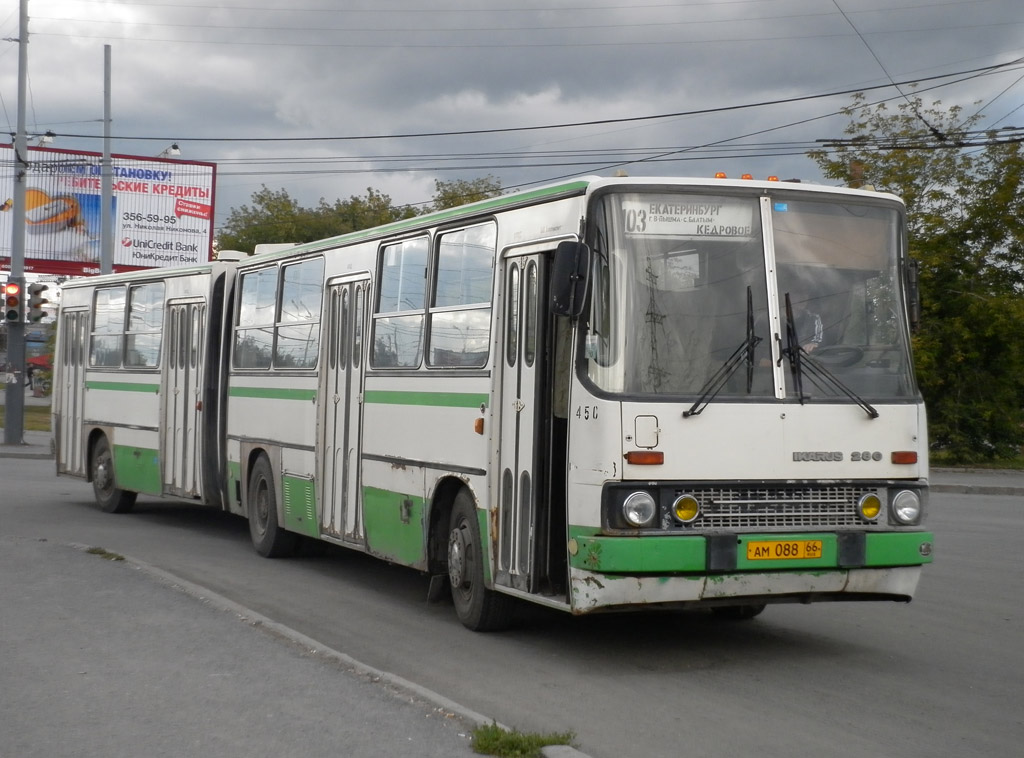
<point>14,393</point>
<point>107,177</point>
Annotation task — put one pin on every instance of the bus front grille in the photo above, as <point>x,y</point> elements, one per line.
<point>779,508</point>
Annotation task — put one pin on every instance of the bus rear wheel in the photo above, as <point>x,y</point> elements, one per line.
<point>477,607</point>
<point>109,497</point>
<point>269,539</point>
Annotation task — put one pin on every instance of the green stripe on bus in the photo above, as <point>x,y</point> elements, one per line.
<point>122,386</point>
<point>441,399</point>
<point>638,555</point>
<point>300,505</point>
<point>137,469</point>
<point>899,548</point>
<point>395,526</point>
<point>273,393</point>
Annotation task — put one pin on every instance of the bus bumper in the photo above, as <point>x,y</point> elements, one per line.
<point>607,572</point>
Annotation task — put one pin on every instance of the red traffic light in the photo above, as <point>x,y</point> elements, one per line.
<point>12,301</point>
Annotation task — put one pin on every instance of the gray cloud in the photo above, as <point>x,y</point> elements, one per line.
<point>213,77</point>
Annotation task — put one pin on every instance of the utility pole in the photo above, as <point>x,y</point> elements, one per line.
<point>14,398</point>
<point>107,176</point>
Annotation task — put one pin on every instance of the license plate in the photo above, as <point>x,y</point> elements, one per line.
<point>783,550</point>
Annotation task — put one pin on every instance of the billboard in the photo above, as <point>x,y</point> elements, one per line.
<point>162,211</point>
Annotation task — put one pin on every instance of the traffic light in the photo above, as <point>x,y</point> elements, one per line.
<point>36,301</point>
<point>12,303</point>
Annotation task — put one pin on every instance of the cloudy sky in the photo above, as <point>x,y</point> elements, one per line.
<point>325,98</point>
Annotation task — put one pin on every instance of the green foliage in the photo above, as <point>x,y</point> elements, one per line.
<point>492,739</point>
<point>462,191</point>
<point>277,217</point>
<point>967,231</point>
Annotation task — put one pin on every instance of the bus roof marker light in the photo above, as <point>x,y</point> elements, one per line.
<point>748,177</point>
<point>721,175</point>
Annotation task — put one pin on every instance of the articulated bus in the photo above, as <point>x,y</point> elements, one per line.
<point>606,394</point>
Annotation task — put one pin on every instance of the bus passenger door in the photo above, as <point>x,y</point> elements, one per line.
<point>71,391</point>
<point>182,401</point>
<point>524,429</point>
<point>341,409</point>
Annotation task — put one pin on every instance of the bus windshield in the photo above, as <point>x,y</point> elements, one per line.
<point>682,284</point>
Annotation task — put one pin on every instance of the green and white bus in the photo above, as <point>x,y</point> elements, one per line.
<point>606,394</point>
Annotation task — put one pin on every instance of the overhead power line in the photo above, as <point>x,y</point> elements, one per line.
<point>573,124</point>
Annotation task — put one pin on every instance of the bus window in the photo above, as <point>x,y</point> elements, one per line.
<point>107,327</point>
<point>145,325</point>
<point>254,338</point>
<point>398,321</point>
<point>460,314</point>
<point>530,315</point>
<point>357,331</point>
<point>512,322</point>
<point>298,330</point>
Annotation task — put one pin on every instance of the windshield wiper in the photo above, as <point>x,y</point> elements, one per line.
<point>745,352</point>
<point>800,360</point>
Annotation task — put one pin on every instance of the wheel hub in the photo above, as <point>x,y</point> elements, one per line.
<point>457,558</point>
<point>102,475</point>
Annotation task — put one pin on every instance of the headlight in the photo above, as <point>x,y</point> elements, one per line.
<point>906,506</point>
<point>869,506</point>
<point>639,509</point>
<point>686,509</point>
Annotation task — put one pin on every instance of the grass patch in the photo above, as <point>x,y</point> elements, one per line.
<point>36,417</point>
<point>492,739</point>
<point>102,552</point>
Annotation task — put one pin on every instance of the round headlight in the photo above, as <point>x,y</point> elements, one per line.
<point>639,509</point>
<point>906,506</point>
<point>869,506</point>
<point>686,508</point>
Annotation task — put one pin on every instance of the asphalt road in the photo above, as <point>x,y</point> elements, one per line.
<point>941,676</point>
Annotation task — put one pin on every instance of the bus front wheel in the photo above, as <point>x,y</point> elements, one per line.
<point>109,496</point>
<point>269,539</point>
<point>477,607</point>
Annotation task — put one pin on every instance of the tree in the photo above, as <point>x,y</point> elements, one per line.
<point>461,191</point>
<point>277,217</point>
<point>273,217</point>
<point>963,190</point>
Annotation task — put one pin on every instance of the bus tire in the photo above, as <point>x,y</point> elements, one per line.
<point>269,539</point>
<point>477,607</point>
<point>109,497</point>
<point>738,612</point>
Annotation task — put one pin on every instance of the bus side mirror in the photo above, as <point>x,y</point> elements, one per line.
<point>570,272</point>
<point>914,294</point>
